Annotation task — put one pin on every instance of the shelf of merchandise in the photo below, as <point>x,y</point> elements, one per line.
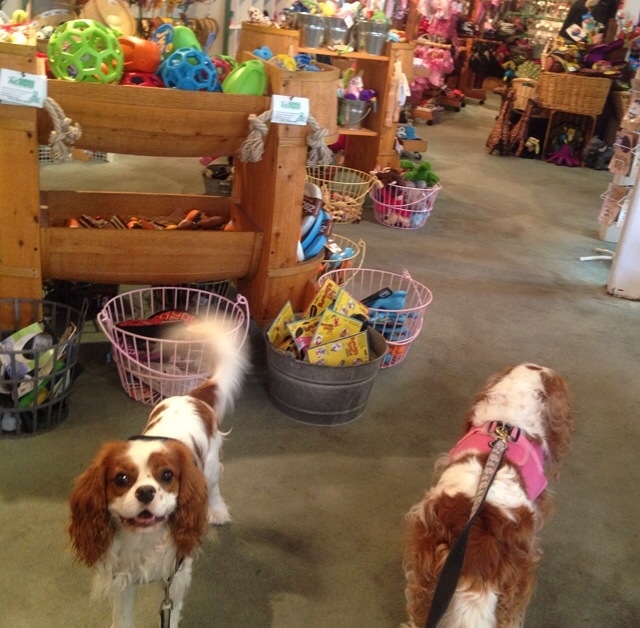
<point>260,253</point>
<point>237,11</point>
<point>624,278</point>
<point>374,144</point>
<point>624,183</point>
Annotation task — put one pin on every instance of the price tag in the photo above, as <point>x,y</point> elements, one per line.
<point>289,110</point>
<point>20,88</point>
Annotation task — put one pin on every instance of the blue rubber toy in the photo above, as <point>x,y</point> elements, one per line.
<point>189,69</point>
<point>264,53</point>
<point>395,301</point>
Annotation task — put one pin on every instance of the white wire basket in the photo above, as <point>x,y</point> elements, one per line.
<point>400,326</point>
<point>403,207</point>
<point>154,368</point>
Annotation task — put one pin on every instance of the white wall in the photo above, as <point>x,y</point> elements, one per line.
<point>632,7</point>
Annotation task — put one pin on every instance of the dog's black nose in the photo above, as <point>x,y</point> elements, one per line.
<point>145,494</point>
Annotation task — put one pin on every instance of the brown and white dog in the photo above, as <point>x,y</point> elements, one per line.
<point>497,577</point>
<point>140,510</point>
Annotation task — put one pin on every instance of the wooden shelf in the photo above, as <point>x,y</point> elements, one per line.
<point>343,55</point>
<point>368,147</point>
<point>360,132</point>
<point>267,196</point>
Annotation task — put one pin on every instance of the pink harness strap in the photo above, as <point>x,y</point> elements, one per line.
<point>524,454</point>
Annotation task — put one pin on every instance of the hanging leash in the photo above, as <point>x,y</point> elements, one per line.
<point>450,573</point>
<point>167,604</point>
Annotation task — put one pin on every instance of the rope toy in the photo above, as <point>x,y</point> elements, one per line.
<point>65,132</point>
<point>253,147</point>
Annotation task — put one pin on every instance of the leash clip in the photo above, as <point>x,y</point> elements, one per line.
<point>504,432</point>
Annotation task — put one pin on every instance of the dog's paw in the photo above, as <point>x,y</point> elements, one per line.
<point>219,516</point>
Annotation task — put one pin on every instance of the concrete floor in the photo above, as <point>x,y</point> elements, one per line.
<point>318,511</point>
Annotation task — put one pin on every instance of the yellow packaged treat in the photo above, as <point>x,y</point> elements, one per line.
<point>289,346</point>
<point>302,331</point>
<point>349,306</point>
<point>278,331</point>
<point>345,352</point>
<point>324,299</point>
<point>333,326</point>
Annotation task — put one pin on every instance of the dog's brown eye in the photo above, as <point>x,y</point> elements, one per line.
<point>122,479</point>
<point>167,476</point>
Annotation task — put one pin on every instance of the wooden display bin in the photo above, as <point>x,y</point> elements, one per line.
<point>104,255</point>
<point>318,87</point>
<point>279,40</point>
<point>149,121</point>
<point>266,201</point>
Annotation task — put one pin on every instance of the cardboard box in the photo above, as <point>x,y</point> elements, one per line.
<point>415,146</point>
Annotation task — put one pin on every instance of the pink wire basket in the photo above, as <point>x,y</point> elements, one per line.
<point>152,369</point>
<point>403,207</point>
<point>399,319</point>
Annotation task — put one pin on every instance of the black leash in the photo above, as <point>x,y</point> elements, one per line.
<point>448,580</point>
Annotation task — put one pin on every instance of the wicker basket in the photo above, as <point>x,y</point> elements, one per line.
<point>524,89</point>
<point>573,93</point>
<point>343,190</point>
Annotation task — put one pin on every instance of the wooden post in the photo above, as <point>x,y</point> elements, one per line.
<point>19,202</point>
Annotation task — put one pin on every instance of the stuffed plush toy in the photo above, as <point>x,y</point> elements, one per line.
<point>420,173</point>
<point>388,177</point>
<point>597,154</point>
<point>257,17</point>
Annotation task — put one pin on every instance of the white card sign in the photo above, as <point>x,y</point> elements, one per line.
<point>289,110</point>
<point>20,88</point>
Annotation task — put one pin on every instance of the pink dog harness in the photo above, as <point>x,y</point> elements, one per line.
<point>521,452</point>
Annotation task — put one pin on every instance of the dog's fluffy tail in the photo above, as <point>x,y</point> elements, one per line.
<point>229,358</point>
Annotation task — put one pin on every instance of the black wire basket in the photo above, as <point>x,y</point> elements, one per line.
<point>39,346</point>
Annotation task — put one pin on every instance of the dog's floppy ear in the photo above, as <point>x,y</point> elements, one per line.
<point>560,424</point>
<point>189,522</point>
<point>91,529</point>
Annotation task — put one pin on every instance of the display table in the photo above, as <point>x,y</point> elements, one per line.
<point>260,254</point>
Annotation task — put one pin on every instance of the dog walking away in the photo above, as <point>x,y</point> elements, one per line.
<point>491,493</point>
<point>140,510</point>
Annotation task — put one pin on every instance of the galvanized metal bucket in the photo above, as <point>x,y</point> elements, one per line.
<point>312,30</point>
<point>372,37</point>
<point>337,32</point>
<point>351,113</point>
<point>322,395</point>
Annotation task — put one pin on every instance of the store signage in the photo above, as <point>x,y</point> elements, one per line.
<point>20,88</point>
<point>289,110</point>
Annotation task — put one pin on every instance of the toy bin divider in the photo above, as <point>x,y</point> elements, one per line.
<point>152,368</point>
<point>36,380</point>
<point>402,322</point>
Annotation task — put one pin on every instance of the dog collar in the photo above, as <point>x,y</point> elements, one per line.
<point>521,452</point>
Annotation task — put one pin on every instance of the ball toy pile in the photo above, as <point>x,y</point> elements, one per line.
<point>190,69</point>
<point>141,79</point>
<point>85,50</point>
<point>224,65</point>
